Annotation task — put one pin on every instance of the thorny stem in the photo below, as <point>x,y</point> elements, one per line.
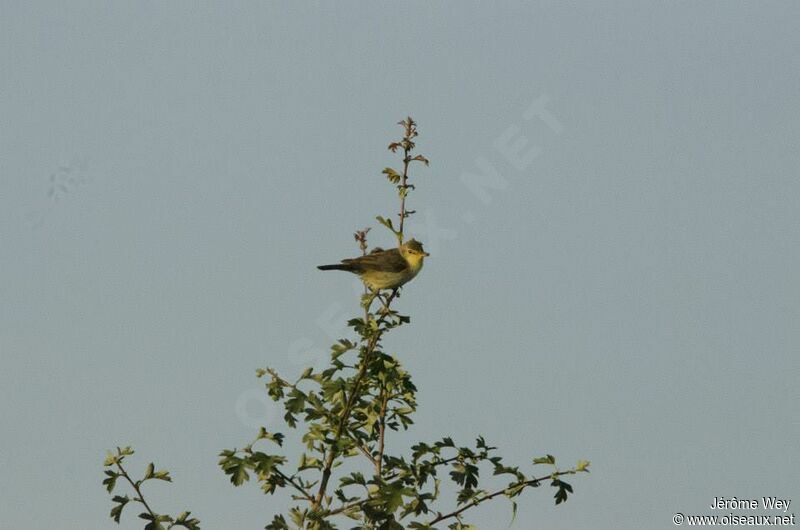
<point>525,484</point>
<point>137,488</point>
<point>435,464</point>
<point>361,237</point>
<point>408,124</point>
<point>382,432</point>
<point>346,507</point>
<point>331,456</point>
<point>441,517</point>
<point>345,416</point>
<point>306,495</point>
<point>403,195</point>
<point>364,450</point>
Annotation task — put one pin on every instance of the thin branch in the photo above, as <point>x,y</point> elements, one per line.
<point>434,464</point>
<point>345,507</point>
<point>472,504</point>
<point>331,457</point>
<point>409,127</point>
<point>362,448</point>
<point>349,403</point>
<point>137,488</point>
<point>306,495</point>
<point>382,433</point>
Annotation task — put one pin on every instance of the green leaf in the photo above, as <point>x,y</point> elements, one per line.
<point>298,516</point>
<point>549,459</point>
<point>275,437</point>
<point>239,475</point>
<point>116,511</point>
<point>390,524</point>
<point>309,462</point>
<point>466,494</point>
<point>111,480</point>
<point>563,490</point>
<point>353,478</point>
<point>190,523</point>
<point>387,223</point>
<point>465,475</point>
<point>278,523</point>
<point>514,490</point>
<point>263,463</point>
<point>235,466</point>
<point>162,474</point>
<point>420,158</point>
<point>390,496</point>
<point>393,176</point>
<point>341,347</point>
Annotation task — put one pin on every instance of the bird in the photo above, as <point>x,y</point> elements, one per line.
<point>385,269</point>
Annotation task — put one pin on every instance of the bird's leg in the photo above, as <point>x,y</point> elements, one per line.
<point>387,299</point>
<point>385,303</point>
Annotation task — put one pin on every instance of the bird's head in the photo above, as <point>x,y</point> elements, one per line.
<point>413,252</point>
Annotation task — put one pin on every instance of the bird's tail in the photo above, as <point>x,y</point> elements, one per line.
<point>335,267</point>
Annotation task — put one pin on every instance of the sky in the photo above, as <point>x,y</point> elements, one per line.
<point>611,208</point>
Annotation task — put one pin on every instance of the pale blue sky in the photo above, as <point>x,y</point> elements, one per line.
<point>171,174</point>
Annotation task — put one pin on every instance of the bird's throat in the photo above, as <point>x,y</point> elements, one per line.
<point>414,263</point>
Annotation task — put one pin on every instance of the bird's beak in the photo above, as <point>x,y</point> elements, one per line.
<point>425,254</point>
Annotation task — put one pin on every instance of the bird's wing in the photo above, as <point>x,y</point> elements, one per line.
<point>383,261</point>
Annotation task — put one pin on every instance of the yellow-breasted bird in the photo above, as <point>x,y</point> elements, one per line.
<point>385,269</point>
